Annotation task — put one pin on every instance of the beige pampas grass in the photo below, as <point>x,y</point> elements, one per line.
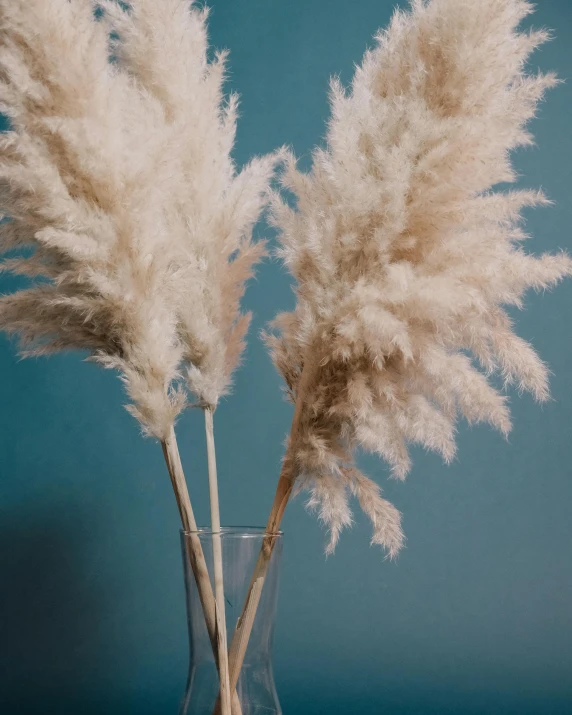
<point>124,206</point>
<point>405,257</point>
<point>163,46</point>
<point>83,206</point>
<point>119,178</point>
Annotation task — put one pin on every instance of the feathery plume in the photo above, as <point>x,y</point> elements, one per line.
<point>85,192</point>
<point>122,197</point>
<point>163,47</point>
<point>404,256</point>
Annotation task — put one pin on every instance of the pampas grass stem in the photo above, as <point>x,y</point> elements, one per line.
<point>221,640</point>
<point>173,460</point>
<point>198,561</point>
<point>196,553</point>
<point>284,490</point>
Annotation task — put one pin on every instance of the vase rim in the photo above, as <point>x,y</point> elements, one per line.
<point>233,532</point>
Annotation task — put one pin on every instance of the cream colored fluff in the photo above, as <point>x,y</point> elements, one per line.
<point>404,256</point>
<point>124,204</point>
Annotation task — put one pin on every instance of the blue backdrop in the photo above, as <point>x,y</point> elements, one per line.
<point>475,616</point>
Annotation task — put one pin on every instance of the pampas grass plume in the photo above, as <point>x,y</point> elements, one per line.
<point>122,202</point>
<point>405,257</point>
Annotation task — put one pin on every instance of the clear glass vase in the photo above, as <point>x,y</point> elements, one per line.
<point>255,690</point>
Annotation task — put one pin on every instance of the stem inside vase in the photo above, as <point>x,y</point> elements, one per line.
<point>255,690</point>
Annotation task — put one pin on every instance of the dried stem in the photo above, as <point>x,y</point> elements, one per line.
<point>173,460</point>
<point>218,569</point>
<point>245,623</point>
<point>288,475</point>
<point>196,554</point>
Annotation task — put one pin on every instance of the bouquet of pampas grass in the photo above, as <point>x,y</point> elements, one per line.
<point>123,208</point>
<point>404,259</point>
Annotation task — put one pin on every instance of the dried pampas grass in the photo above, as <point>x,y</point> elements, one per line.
<point>121,190</point>
<point>405,257</point>
<point>164,48</point>
<point>125,210</point>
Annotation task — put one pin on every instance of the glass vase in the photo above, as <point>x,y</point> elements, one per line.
<point>255,690</point>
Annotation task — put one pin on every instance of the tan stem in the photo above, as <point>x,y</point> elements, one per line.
<point>173,460</point>
<point>288,475</point>
<point>196,554</point>
<point>244,625</point>
<point>218,568</point>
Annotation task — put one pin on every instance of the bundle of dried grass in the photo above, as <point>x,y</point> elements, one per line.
<point>404,259</point>
<point>125,209</point>
<point>120,178</point>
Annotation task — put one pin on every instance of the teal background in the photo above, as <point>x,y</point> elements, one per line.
<point>476,614</point>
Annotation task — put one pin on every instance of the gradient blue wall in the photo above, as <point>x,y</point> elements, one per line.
<point>476,615</point>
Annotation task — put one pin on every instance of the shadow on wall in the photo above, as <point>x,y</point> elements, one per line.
<point>50,616</point>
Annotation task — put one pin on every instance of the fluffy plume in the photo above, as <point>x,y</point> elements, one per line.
<point>122,202</point>
<point>404,257</point>
<point>164,47</point>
